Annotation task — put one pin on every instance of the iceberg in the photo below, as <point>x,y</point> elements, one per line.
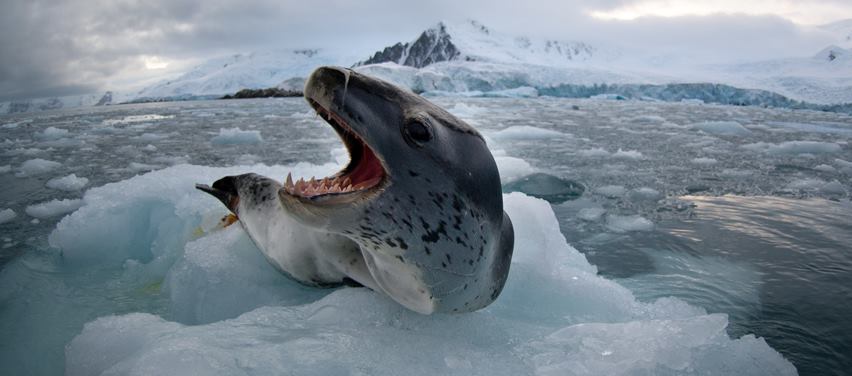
<point>236,136</point>
<point>232,313</point>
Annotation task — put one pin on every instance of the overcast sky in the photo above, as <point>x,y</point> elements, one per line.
<point>51,48</point>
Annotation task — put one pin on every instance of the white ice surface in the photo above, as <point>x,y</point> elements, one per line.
<point>68,183</point>
<point>236,136</point>
<point>627,223</point>
<point>794,147</point>
<point>52,133</point>
<point>53,208</point>
<point>555,316</point>
<point>36,167</point>
<point>7,215</point>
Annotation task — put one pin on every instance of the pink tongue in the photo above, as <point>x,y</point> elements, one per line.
<point>369,169</point>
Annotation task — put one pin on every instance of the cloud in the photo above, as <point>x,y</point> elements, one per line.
<point>50,47</point>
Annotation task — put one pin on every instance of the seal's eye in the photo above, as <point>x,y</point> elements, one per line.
<point>416,132</point>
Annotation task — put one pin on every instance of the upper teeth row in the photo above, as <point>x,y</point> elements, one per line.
<point>322,186</point>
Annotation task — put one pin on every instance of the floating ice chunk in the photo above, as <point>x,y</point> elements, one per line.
<point>37,166</point>
<point>7,215</point>
<point>724,128</point>
<point>527,132</point>
<point>737,173</point>
<point>627,223</point>
<point>23,151</point>
<point>151,137</point>
<point>833,188</point>
<point>794,147</point>
<point>704,161</point>
<point>591,214</point>
<point>63,143</point>
<point>236,136</point>
<point>53,208</point>
<point>627,154</point>
<point>512,168</point>
<point>149,147</point>
<point>464,110</point>
<point>844,166</point>
<point>5,169</point>
<point>51,134</point>
<point>247,159</point>
<point>807,184</point>
<point>825,168</point>
<point>10,126</point>
<point>581,322</point>
<point>611,190</point>
<point>593,153</point>
<point>68,183</point>
<point>648,119</point>
<point>223,275</point>
<point>136,119</point>
<point>551,188</point>
<point>645,193</point>
<point>140,167</point>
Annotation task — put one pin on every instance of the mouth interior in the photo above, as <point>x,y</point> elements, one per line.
<point>363,173</point>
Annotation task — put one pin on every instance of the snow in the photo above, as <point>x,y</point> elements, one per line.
<point>236,136</point>
<point>235,313</point>
<point>7,215</point>
<point>724,128</point>
<point>37,166</point>
<point>627,223</point>
<point>254,70</point>
<point>53,208</point>
<point>67,183</point>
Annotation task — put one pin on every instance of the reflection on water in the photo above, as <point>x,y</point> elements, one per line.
<point>779,267</point>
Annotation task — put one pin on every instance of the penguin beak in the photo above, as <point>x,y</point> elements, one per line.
<point>225,190</point>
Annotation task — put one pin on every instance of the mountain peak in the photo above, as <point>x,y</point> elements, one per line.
<point>473,41</point>
<point>432,46</point>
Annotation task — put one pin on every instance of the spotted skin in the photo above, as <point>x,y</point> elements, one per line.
<point>433,235</point>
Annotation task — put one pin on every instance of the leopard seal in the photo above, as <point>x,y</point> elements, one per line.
<point>417,214</point>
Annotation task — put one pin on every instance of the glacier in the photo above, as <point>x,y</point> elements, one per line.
<point>234,314</point>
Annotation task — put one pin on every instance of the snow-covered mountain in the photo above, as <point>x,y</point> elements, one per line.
<point>473,42</point>
<point>470,57</point>
<point>227,75</point>
<point>842,31</point>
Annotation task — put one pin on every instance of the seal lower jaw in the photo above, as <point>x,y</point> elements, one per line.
<point>365,176</point>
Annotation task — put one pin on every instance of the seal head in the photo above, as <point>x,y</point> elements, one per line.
<point>430,222</point>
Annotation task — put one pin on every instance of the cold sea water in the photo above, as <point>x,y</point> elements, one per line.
<point>699,211</point>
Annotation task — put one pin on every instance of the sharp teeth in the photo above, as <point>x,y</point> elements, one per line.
<point>289,182</point>
<point>347,181</point>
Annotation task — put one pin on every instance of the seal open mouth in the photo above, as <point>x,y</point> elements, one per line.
<point>364,174</point>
